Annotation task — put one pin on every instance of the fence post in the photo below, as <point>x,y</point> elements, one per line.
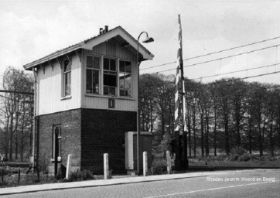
<point>68,166</point>
<point>106,165</point>
<point>168,162</point>
<point>145,163</point>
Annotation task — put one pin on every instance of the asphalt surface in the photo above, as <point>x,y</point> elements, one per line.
<point>252,183</point>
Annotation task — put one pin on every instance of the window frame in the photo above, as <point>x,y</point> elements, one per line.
<point>119,71</point>
<point>93,69</point>
<point>112,73</point>
<point>66,73</point>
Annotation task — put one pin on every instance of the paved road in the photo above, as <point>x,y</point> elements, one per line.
<point>251,183</point>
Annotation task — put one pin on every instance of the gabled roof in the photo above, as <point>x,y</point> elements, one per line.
<point>94,41</point>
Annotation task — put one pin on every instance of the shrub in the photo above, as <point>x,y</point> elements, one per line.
<point>81,175</point>
<point>158,166</point>
<point>233,157</point>
<point>5,171</point>
<point>238,151</point>
<point>272,158</point>
<point>220,157</point>
<point>245,157</point>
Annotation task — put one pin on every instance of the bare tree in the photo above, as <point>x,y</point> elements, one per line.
<point>17,114</point>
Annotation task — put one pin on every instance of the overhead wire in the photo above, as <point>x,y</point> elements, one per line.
<point>236,71</point>
<point>222,58</point>
<point>216,52</point>
<point>260,75</point>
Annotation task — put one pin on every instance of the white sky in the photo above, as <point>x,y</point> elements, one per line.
<point>35,28</point>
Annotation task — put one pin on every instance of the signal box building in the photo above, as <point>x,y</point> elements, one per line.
<point>86,100</point>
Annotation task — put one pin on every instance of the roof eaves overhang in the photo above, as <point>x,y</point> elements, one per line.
<point>52,56</point>
<point>119,31</point>
<point>92,42</point>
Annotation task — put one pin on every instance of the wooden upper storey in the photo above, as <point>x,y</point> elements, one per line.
<point>100,73</point>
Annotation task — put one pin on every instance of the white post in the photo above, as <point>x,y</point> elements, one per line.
<point>68,166</point>
<point>145,163</point>
<point>168,162</point>
<point>106,165</point>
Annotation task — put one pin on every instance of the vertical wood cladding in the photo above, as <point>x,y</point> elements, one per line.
<point>70,122</point>
<point>103,131</point>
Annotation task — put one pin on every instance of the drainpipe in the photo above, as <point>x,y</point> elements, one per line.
<point>34,120</point>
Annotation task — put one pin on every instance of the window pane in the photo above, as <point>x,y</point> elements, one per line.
<point>95,81</point>
<point>106,64</point>
<point>109,90</point>
<point>97,62</point>
<point>125,66</point>
<point>89,62</point>
<point>128,67</point>
<point>89,84</point>
<point>110,83</point>
<point>92,85</point>
<point>121,82</point>
<point>125,78</point>
<point>112,64</point>
<point>66,65</point>
<point>110,80</point>
<point>122,66</point>
<point>125,85</point>
<point>67,83</point>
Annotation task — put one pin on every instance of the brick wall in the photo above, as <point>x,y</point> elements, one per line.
<point>87,134</point>
<point>70,122</point>
<point>104,131</point>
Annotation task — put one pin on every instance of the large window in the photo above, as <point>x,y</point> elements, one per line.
<point>109,76</point>
<point>92,78</point>
<point>66,78</point>
<point>125,78</point>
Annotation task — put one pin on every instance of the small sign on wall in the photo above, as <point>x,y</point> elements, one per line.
<point>111,103</point>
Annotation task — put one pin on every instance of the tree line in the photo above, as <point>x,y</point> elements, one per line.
<point>221,116</point>
<point>16,115</point>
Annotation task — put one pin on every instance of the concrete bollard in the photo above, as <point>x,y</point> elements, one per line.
<point>68,167</point>
<point>145,163</point>
<point>168,162</point>
<point>106,165</point>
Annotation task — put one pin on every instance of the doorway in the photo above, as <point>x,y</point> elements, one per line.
<point>56,147</point>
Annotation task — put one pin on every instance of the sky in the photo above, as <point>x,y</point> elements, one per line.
<point>31,29</point>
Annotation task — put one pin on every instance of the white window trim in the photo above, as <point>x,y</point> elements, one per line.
<point>118,82</point>
<point>63,96</point>
<point>99,74</point>
<point>101,78</point>
<point>132,77</point>
<point>116,90</point>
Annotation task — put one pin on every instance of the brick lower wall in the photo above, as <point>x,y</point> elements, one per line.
<point>87,134</point>
<point>103,131</point>
<point>70,122</point>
